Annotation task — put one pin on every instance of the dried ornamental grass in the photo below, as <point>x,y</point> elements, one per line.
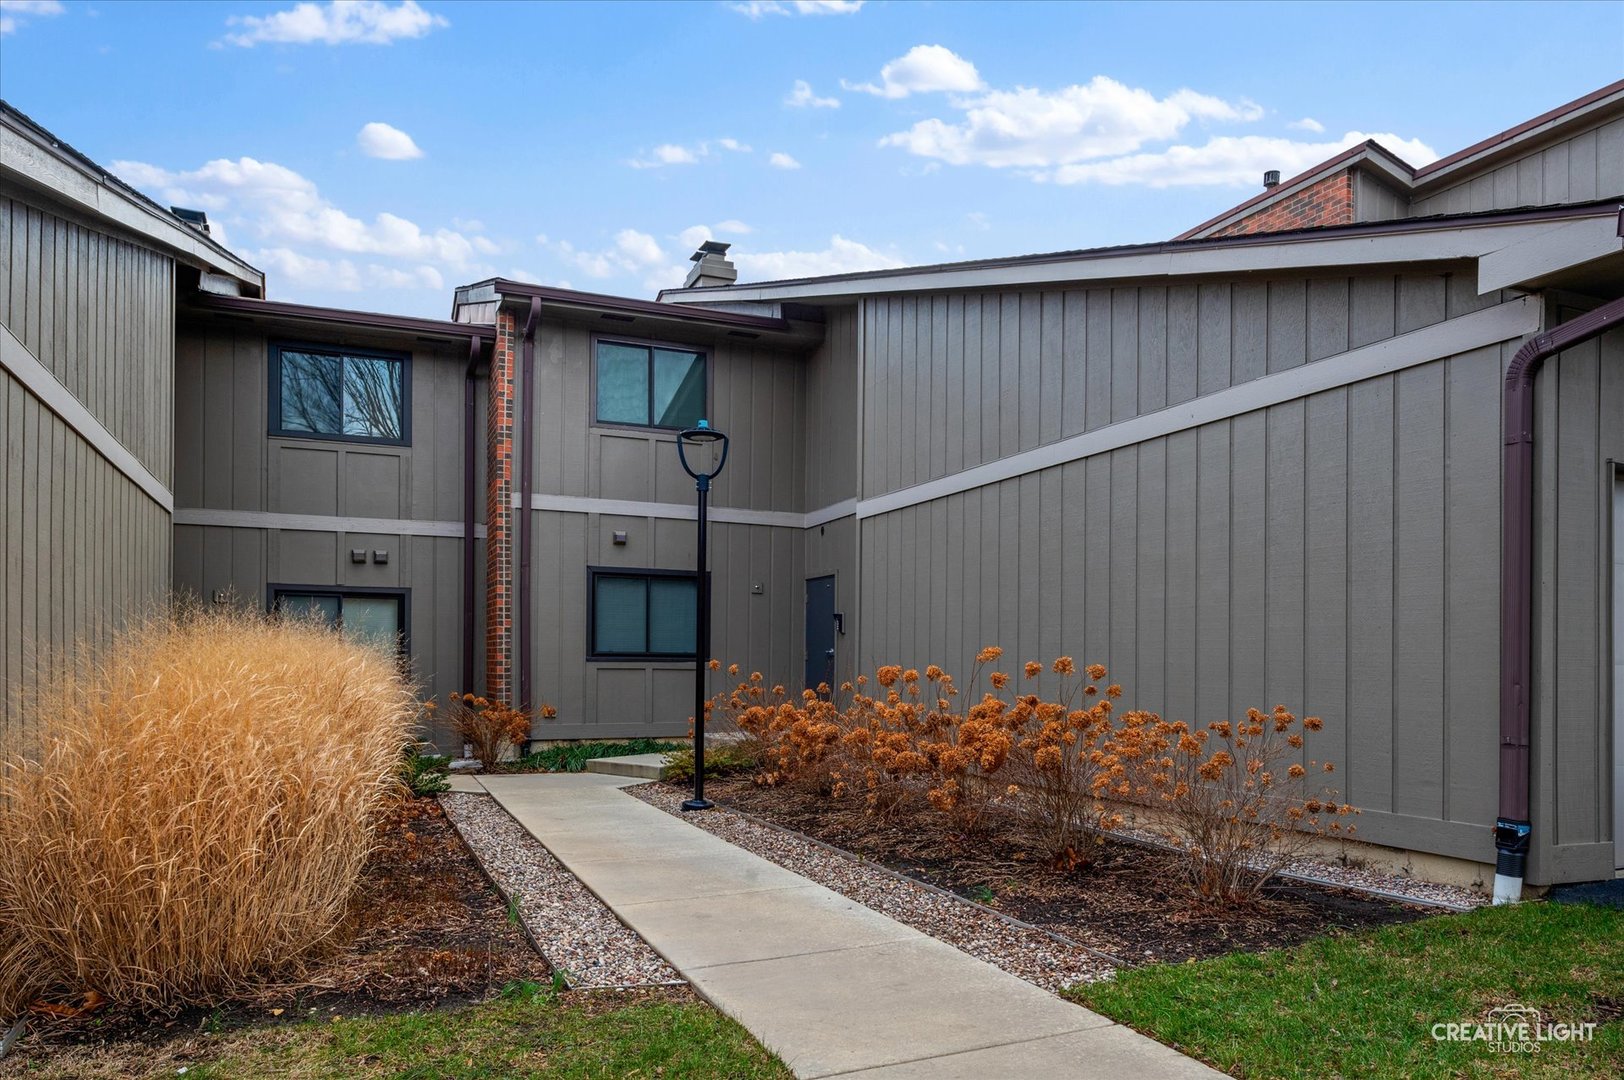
<point>200,810</point>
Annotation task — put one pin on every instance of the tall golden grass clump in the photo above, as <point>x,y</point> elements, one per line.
<point>199,809</point>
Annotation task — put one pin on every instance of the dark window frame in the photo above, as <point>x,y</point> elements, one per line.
<point>637,573</point>
<point>706,351</point>
<point>404,595</point>
<point>274,426</point>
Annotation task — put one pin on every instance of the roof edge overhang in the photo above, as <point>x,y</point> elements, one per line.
<point>33,157</point>
<point>1495,146</point>
<point>1444,239</point>
<point>557,299</point>
<point>1369,155</point>
<point>439,329</point>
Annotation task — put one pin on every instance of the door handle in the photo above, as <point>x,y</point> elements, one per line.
<point>830,653</point>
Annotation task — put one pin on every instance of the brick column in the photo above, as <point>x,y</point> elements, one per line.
<point>499,511</point>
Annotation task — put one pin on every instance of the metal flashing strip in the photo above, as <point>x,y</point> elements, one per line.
<point>782,519</point>
<point>26,368</point>
<point>1490,326</point>
<point>262,519</point>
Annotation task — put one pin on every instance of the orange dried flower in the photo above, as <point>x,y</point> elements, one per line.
<point>1064,666</point>
<point>989,655</point>
<point>1000,679</point>
<point>1096,671</point>
<point>1033,669</point>
<point>714,664</point>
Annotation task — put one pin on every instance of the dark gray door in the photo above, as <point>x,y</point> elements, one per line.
<point>820,632</point>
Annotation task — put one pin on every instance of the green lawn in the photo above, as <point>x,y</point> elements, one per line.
<point>572,757</point>
<point>529,1033</point>
<point>1363,1005</point>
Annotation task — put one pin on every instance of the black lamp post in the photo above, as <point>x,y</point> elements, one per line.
<point>696,437</point>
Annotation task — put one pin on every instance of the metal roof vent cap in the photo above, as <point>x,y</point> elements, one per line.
<point>197,219</point>
<point>711,267</point>
<point>1271,179</point>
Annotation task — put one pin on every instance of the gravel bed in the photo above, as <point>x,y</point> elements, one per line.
<point>577,934</point>
<point>1041,958</point>
<point>1391,886</point>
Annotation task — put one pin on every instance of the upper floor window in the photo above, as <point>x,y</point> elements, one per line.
<point>649,385</point>
<point>348,394</point>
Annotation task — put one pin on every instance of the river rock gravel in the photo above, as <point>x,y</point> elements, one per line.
<point>1026,952</point>
<point>575,931</point>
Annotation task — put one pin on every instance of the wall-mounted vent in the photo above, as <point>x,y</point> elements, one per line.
<point>612,317</point>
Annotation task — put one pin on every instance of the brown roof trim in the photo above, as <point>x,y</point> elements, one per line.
<point>1521,129</point>
<point>1321,232</point>
<point>1279,190</point>
<point>1417,174</point>
<point>570,298</point>
<point>371,320</point>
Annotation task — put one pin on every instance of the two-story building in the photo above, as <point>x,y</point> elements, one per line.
<point>1281,458</point>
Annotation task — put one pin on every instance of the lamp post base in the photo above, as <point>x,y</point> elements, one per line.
<point>698,804</point>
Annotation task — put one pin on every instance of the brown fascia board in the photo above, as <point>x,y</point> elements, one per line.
<point>366,320</point>
<point>1369,150</point>
<point>621,305</point>
<point>1515,134</point>
<point>1322,232</point>
<point>42,137</point>
<point>1415,177</point>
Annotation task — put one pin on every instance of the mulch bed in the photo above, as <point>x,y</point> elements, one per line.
<point>1129,903</point>
<point>425,929</point>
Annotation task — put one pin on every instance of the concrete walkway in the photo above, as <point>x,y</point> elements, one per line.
<point>833,988</point>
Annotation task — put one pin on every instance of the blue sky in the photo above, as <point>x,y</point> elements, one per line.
<point>375,154</point>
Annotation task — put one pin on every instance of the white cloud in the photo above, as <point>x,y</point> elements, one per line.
<point>632,252</point>
<point>341,275</point>
<point>694,235</point>
<point>842,256</point>
<point>380,140</point>
<point>801,96</point>
<point>11,11</point>
<point>305,239</point>
<point>675,154</point>
<point>1227,160</point>
<point>341,22</point>
<point>781,160</point>
<point>1307,123</point>
<point>755,9</point>
<point>1033,128</point>
<point>923,69</point>
<point>665,154</point>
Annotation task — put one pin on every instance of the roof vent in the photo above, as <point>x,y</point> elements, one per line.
<point>711,267</point>
<point>1271,179</point>
<point>197,219</point>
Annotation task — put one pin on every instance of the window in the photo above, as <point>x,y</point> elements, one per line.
<point>646,613</point>
<point>339,394</point>
<point>377,617</point>
<point>649,385</point>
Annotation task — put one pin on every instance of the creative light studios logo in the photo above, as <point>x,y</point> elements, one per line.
<point>1513,1029</point>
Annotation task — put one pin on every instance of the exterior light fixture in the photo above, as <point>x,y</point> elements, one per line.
<point>697,440</point>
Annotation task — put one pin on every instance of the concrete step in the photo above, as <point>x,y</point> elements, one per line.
<point>642,766</point>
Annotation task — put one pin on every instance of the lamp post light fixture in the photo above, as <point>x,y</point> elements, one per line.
<point>696,438</point>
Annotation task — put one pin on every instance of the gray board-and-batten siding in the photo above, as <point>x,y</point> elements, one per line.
<point>1336,552</point>
<point>255,509</point>
<point>86,406</point>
